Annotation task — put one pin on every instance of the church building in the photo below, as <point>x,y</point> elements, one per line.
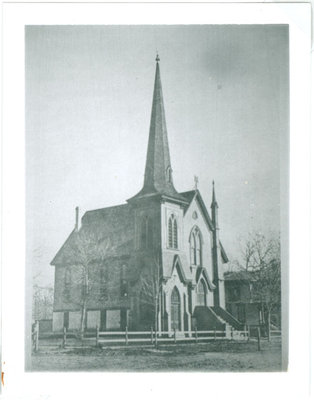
<point>155,261</point>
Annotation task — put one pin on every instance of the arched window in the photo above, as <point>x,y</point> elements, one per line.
<point>175,234</point>
<point>172,232</point>
<point>175,309</point>
<point>67,284</point>
<point>149,241</point>
<point>193,249</point>
<point>143,233</point>
<point>196,247</point>
<point>170,241</point>
<point>103,283</point>
<point>169,174</point>
<point>146,234</point>
<point>123,281</point>
<point>201,293</point>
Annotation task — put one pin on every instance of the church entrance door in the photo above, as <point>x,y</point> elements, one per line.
<point>175,310</point>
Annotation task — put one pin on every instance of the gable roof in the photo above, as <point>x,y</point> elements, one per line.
<point>201,271</point>
<point>195,194</point>
<point>177,264</point>
<point>189,196</point>
<point>112,226</point>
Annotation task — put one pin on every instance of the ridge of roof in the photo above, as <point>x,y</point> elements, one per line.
<point>106,208</point>
<point>189,195</point>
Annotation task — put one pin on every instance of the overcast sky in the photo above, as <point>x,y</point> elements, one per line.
<point>88,102</point>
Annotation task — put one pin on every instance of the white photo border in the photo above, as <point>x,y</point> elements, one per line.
<point>21,384</point>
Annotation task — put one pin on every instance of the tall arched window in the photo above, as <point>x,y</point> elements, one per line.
<point>201,293</point>
<point>193,249</point>
<point>103,282</point>
<point>170,241</point>
<point>143,233</point>
<point>196,247</point>
<point>67,284</point>
<point>169,174</point>
<point>146,234</point>
<point>175,234</point>
<point>175,309</point>
<point>172,232</point>
<point>123,281</point>
<point>149,241</point>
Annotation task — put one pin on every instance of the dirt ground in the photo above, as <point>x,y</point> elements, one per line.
<point>230,356</point>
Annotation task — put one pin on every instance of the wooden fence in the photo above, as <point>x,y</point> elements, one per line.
<point>99,338</point>
<point>150,337</point>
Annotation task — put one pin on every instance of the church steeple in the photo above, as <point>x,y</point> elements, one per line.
<point>158,171</point>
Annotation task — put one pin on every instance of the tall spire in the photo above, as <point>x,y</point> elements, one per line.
<point>158,171</point>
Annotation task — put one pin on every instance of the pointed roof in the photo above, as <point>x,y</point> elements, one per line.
<point>158,171</point>
<point>195,194</point>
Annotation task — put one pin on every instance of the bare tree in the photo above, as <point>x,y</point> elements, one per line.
<point>261,259</point>
<point>151,288</point>
<point>42,302</point>
<point>85,256</point>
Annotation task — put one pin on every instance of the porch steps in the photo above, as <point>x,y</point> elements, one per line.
<point>228,318</point>
<point>214,318</point>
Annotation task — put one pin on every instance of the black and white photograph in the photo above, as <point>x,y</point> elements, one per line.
<point>156,196</point>
<point>156,201</point>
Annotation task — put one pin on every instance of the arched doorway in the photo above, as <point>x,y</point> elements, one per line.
<point>201,293</point>
<point>175,310</point>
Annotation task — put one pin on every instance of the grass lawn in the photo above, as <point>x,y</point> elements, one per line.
<point>218,356</point>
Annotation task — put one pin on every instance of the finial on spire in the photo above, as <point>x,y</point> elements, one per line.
<point>214,207</point>
<point>195,182</point>
<point>157,57</point>
<point>214,202</point>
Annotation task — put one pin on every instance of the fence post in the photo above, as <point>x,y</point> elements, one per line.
<point>215,333</point>
<point>258,339</point>
<point>195,334</point>
<point>36,336</point>
<point>232,333</point>
<point>248,332</point>
<point>126,335</point>
<point>268,333</point>
<point>174,336</point>
<point>156,337</point>
<point>151,335</point>
<point>64,337</point>
<point>97,335</point>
